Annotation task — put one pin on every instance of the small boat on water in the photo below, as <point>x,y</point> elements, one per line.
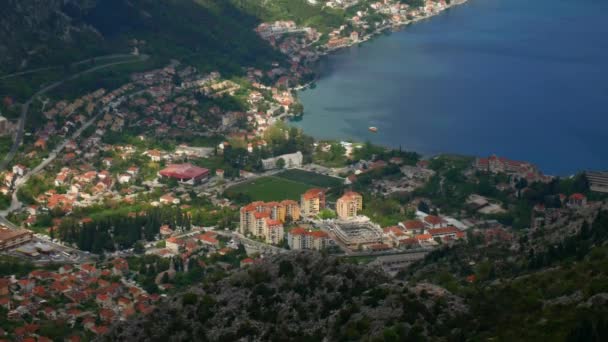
<point>373,129</point>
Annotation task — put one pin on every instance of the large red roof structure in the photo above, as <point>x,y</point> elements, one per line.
<point>184,172</point>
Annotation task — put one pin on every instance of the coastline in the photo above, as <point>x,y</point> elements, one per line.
<point>394,27</point>
<point>375,34</point>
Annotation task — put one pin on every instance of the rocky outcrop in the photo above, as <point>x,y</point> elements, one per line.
<point>299,296</point>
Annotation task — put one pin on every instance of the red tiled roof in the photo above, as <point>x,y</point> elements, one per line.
<point>431,219</point>
<point>577,197</point>
<point>313,193</point>
<point>184,171</point>
<point>424,237</point>
<point>395,230</point>
<point>443,231</point>
<point>413,224</point>
<point>318,234</point>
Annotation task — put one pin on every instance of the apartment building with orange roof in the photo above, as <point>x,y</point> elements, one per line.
<point>312,202</point>
<point>349,205</point>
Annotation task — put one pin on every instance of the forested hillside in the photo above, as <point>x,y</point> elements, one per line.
<point>211,34</point>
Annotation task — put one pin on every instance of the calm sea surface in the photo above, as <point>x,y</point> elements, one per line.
<point>523,79</point>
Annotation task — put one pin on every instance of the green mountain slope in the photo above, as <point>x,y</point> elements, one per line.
<point>212,34</point>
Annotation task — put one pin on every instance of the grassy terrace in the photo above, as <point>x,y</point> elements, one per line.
<point>286,185</point>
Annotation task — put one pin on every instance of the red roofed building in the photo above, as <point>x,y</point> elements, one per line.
<point>349,205</point>
<point>185,173</point>
<point>413,226</point>
<point>253,214</point>
<point>577,200</point>
<point>246,262</point>
<point>446,233</point>
<point>121,266</point>
<point>432,221</point>
<point>300,238</point>
<point>165,230</point>
<point>173,244</point>
<point>312,202</point>
<point>273,231</point>
<point>497,164</point>
<point>209,239</point>
<point>395,236</point>
<point>378,247</point>
<point>424,237</point>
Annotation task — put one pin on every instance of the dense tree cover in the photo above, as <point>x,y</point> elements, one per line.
<point>543,291</point>
<point>212,34</point>
<point>11,265</point>
<point>373,152</point>
<point>35,186</point>
<point>119,230</point>
<point>281,140</point>
<point>413,3</point>
<point>300,11</point>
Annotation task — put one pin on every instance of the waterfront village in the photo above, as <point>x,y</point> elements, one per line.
<point>118,197</point>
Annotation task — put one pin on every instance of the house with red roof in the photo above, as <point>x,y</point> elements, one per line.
<point>165,230</point>
<point>120,266</point>
<point>394,235</point>
<point>432,221</point>
<point>209,239</point>
<point>173,244</point>
<point>425,238</point>
<point>446,233</point>
<point>246,262</point>
<point>413,227</point>
<point>577,200</point>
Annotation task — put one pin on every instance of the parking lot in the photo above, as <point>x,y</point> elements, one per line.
<point>43,251</point>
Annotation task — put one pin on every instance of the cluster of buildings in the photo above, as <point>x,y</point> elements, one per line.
<point>297,42</point>
<point>543,215</point>
<point>423,232</point>
<point>525,170</point>
<point>84,296</point>
<point>266,219</point>
<point>360,234</point>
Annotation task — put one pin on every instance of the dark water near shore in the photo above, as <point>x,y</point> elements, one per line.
<point>524,79</point>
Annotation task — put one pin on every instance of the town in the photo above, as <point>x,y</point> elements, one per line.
<point>119,197</point>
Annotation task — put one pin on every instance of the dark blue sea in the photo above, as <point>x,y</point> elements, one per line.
<point>519,78</point>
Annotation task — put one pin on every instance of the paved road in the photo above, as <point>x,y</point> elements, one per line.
<point>26,105</point>
<point>15,203</point>
<point>88,60</point>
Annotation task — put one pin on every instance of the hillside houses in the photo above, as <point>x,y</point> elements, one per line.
<point>27,299</point>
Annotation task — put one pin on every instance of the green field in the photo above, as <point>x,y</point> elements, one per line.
<point>311,178</point>
<point>289,184</point>
<point>269,189</point>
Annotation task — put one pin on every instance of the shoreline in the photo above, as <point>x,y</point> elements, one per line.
<point>394,27</point>
<point>375,34</point>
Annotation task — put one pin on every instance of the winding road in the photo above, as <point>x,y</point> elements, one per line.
<point>26,106</point>
<point>15,203</point>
